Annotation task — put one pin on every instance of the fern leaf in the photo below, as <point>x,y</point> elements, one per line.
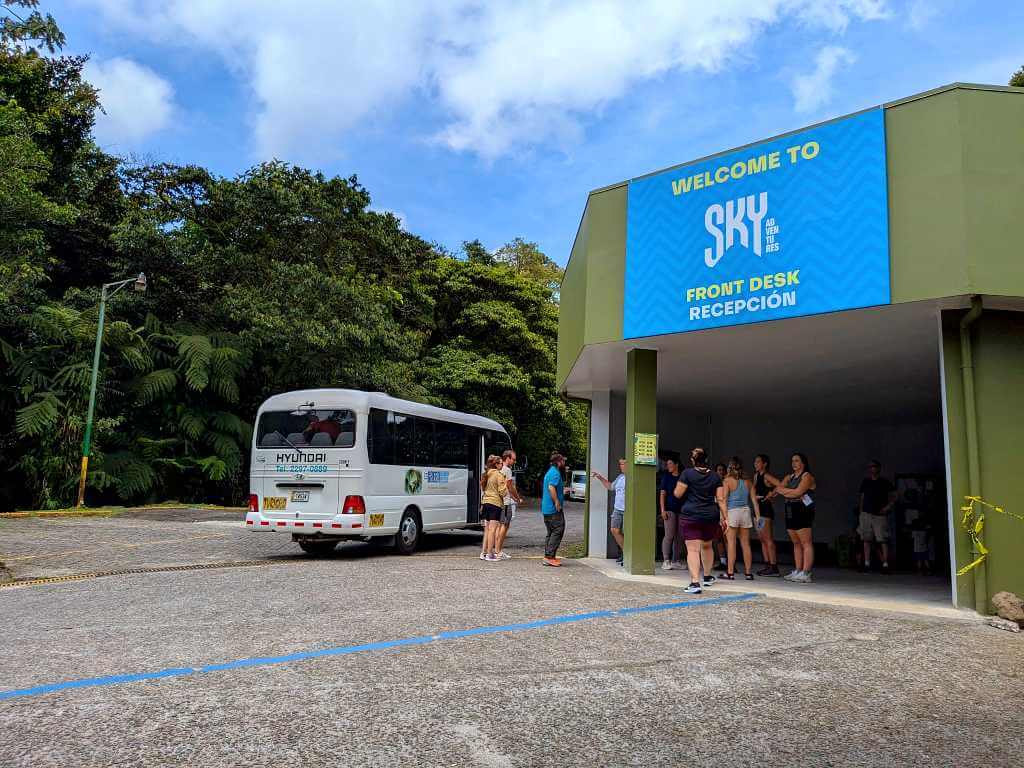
<point>38,417</point>
<point>155,384</point>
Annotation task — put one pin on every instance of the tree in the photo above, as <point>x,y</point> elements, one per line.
<point>528,260</point>
<point>1017,79</point>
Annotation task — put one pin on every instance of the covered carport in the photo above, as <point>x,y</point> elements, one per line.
<point>922,370</point>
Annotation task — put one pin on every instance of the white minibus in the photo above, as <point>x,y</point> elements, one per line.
<point>332,465</point>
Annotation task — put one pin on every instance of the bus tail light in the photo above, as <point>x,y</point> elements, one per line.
<point>254,503</point>
<point>354,505</point>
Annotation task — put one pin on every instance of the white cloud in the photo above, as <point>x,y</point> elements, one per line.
<point>137,102</point>
<point>503,76</point>
<point>813,90</point>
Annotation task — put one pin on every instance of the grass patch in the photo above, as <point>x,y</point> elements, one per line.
<point>113,511</point>
<point>572,551</point>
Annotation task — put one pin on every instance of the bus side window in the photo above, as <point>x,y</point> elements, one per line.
<point>380,445</point>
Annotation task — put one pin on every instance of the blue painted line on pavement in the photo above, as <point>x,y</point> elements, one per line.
<point>262,661</point>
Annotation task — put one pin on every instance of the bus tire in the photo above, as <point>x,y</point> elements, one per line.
<point>410,531</point>
<point>318,548</point>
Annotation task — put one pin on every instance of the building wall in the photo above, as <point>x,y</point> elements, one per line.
<point>998,342</point>
<point>955,165</point>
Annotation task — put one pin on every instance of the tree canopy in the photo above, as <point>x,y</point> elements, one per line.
<point>279,278</point>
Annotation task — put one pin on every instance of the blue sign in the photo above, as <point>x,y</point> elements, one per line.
<point>793,226</point>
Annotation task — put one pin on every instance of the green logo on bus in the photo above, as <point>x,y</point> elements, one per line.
<point>413,481</point>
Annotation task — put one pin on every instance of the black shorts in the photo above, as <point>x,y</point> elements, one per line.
<point>490,512</point>
<point>767,510</point>
<point>799,516</point>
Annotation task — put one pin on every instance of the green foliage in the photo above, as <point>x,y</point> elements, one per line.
<point>280,278</point>
<point>1017,78</point>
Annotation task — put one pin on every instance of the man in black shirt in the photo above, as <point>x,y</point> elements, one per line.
<point>877,497</point>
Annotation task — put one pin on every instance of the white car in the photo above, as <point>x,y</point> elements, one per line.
<point>577,490</point>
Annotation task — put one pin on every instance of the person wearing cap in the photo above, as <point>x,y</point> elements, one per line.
<point>552,497</point>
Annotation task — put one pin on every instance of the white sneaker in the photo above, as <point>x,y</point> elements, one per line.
<point>803,578</point>
<point>693,589</point>
<point>791,576</point>
<point>679,566</point>
<point>503,555</point>
<point>666,566</point>
<point>483,556</point>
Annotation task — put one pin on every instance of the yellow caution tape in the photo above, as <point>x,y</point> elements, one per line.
<point>973,521</point>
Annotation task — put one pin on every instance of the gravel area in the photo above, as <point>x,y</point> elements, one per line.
<point>759,682</point>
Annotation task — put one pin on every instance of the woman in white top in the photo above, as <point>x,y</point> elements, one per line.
<point>618,505</point>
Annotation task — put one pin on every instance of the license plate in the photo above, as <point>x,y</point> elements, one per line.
<point>300,495</point>
<point>274,502</point>
<point>377,521</point>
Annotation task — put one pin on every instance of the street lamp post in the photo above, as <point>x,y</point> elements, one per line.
<point>109,289</point>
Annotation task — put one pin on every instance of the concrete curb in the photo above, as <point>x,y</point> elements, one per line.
<point>811,594</point>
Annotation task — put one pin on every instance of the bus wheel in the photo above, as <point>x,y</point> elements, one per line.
<point>318,548</point>
<point>408,536</point>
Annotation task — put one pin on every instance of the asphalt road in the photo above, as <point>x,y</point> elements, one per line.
<point>369,659</point>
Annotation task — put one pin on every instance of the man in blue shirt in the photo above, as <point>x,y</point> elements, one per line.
<point>551,499</point>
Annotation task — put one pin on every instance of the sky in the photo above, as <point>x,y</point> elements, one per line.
<point>493,120</point>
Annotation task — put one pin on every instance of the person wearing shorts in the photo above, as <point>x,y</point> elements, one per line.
<point>494,490</point>
<point>739,499</point>
<point>508,508</point>
<point>618,505</point>
<point>764,482</point>
<point>877,497</point>
<point>797,488</point>
<point>701,517</point>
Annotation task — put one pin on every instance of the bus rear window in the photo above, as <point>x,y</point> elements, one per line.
<point>304,428</point>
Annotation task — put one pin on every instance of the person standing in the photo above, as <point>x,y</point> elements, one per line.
<point>798,488</point>
<point>618,504</point>
<point>764,482</point>
<point>512,498</point>
<point>494,490</point>
<point>739,499</point>
<point>719,543</point>
<point>671,543</point>
<point>877,498</point>
<point>551,502</point>
<point>702,515</point>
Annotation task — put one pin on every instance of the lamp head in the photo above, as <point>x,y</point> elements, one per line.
<point>140,283</point>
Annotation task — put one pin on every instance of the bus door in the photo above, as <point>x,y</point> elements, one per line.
<point>474,461</point>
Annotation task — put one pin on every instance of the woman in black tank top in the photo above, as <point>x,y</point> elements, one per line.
<point>764,483</point>
<point>798,488</point>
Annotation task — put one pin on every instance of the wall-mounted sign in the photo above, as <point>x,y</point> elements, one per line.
<point>792,226</point>
<point>645,448</point>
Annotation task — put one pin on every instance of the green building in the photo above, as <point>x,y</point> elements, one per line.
<point>852,290</point>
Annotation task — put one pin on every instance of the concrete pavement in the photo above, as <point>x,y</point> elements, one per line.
<point>759,682</point>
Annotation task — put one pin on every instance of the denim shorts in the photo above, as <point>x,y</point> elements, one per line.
<point>617,515</point>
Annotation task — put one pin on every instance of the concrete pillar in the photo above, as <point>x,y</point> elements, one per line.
<point>597,497</point>
<point>641,491</point>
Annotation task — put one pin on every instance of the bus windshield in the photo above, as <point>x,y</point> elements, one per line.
<point>307,428</point>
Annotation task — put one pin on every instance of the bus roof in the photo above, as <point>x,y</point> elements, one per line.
<point>360,401</point>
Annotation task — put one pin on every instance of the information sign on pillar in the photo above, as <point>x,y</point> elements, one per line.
<point>645,449</point>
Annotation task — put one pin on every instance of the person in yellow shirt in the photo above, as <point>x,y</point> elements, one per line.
<point>495,489</point>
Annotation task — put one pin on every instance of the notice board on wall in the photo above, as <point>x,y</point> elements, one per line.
<point>792,226</point>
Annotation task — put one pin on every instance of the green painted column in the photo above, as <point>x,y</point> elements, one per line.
<point>641,493</point>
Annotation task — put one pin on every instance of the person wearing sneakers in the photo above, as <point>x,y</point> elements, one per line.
<point>877,499</point>
<point>512,498</point>
<point>552,497</point>
<point>764,481</point>
<point>703,514</point>
<point>740,498</point>
<point>618,505</point>
<point>494,490</point>
<point>797,488</point>
<point>670,505</point>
